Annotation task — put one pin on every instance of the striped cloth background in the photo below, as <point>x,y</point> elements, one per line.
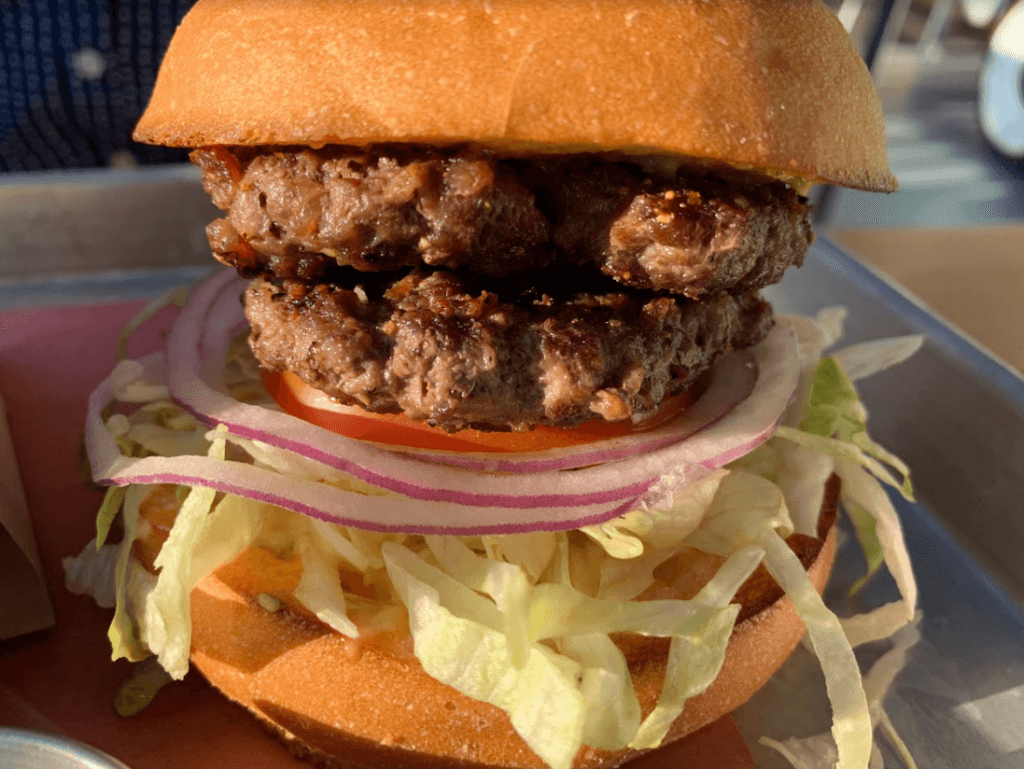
<point>74,78</point>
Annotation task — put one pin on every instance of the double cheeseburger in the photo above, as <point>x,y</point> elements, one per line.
<point>499,228</point>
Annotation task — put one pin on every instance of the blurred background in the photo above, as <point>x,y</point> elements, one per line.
<point>75,76</point>
<point>951,77</point>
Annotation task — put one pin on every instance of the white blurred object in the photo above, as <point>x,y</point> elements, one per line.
<point>88,64</point>
<point>1001,87</point>
<point>877,27</point>
<point>849,12</point>
<point>981,13</point>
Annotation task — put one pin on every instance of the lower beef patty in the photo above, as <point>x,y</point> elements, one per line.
<point>430,346</point>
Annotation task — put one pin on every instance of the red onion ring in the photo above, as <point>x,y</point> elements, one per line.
<point>201,331</point>
<point>319,500</point>
<point>453,499</point>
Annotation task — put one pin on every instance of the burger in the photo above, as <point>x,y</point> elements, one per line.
<point>485,449</point>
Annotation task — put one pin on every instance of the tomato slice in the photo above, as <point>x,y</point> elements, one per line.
<point>301,400</point>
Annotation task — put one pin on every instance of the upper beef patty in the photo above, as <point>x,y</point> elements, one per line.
<point>435,348</point>
<point>298,214</point>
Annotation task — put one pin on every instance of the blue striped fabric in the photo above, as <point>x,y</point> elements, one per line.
<point>74,78</point>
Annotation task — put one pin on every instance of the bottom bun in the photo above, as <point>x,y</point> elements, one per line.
<point>349,703</point>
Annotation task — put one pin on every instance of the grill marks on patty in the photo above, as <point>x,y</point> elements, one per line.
<point>438,349</point>
<point>299,214</point>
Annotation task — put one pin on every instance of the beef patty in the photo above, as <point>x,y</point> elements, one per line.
<point>297,214</point>
<point>440,348</point>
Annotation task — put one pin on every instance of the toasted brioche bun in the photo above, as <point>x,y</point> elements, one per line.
<point>752,84</point>
<point>346,703</point>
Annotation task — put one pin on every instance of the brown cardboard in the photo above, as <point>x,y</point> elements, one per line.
<point>24,604</point>
<point>971,276</point>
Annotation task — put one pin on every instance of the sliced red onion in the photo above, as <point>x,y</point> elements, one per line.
<point>202,330</point>
<point>346,508</point>
<point>441,498</point>
<point>322,501</point>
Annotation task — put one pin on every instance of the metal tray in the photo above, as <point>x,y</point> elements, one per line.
<point>956,415</point>
<point>953,412</point>
<point>28,749</point>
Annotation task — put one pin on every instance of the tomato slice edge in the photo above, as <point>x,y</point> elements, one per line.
<point>309,404</point>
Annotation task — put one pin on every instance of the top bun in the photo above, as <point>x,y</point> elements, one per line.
<point>775,87</point>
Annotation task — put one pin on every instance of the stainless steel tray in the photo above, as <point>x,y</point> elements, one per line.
<point>28,749</point>
<point>953,412</point>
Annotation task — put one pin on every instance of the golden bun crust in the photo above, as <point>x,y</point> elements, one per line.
<point>352,704</point>
<point>754,84</point>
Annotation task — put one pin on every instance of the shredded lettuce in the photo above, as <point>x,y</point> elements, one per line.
<point>130,386</point>
<point>832,322</point>
<point>851,719</point>
<point>168,621</point>
<point>745,507</point>
<point>124,642</point>
<point>833,436</point>
<point>141,687</point>
<point>91,573</point>
<point>628,535</point>
<point>473,657</point>
<point>865,527</point>
<point>813,337</point>
<point>320,591</point>
<point>695,659</point>
<point>836,424</point>
<point>861,491</point>
<point>623,580</point>
<point>206,540</point>
<point>801,476</point>
<point>819,751</point>
<point>202,539</point>
<point>343,547</point>
<point>833,406</point>
<point>174,296</point>
<point>108,511</point>
<point>523,615</point>
<point>163,441</point>
<point>612,715</point>
<point>867,358</point>
<point>506,583</point>
<point>531,551</point>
